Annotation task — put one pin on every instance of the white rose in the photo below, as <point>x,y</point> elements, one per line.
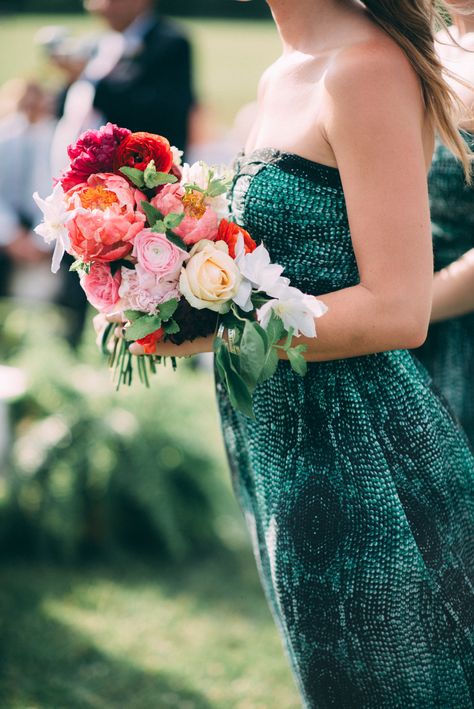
<point>210,278</point>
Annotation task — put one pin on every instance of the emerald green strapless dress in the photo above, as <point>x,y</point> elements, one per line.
<point>448,352</point>
<point>356,484</point>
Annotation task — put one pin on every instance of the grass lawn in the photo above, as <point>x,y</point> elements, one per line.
<point>230,55</point>
<point>140,637</point>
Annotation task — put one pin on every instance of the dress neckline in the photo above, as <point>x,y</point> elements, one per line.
<point>319,173</point>
<point>274,153</point>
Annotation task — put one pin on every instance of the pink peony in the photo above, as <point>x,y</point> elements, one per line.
<point>200,222</point>
<point>145,293</point>
<point>101,288</point>
<point>155,254</point>
<point>93,152</point>
<point>107,220</point>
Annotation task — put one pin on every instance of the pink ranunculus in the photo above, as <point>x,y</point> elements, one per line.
<point>145,293</point>
<point>102,288</point>
<point>200,222</point>
<point>156,255</point>
<point>107,218</point>
<point>93,152</point>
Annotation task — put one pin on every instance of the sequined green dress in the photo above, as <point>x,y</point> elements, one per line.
<point>356,484</point>
<point>448,353</point>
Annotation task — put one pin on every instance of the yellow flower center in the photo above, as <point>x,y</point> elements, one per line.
<point>194,204</point>
<point>97,198</point>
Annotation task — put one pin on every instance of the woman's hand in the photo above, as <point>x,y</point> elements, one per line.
<point>166,349</point>
<point>453,289</point>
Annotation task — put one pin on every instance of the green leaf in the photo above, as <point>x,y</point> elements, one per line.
<point>152,213</point>
<point>270,366</point>
<point>176,240</point>
<point>173,220</point>
<point>152,178</point>
<point>217,187</point>
<point>275,328</point>
<point>192,187</point>
<point>168,309</point>
<point>289,339</point>
<point>143,327</point>
<point>136,176</point>
<point>252,354</point>
<point>171,327</point>
<point>239,394</point>
<point>159,227</point>
<point>133,315</point>
<point>297,361</point>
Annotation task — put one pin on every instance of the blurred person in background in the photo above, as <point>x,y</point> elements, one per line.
<point>26,131</point>
<point>140,78</point>
<point>448,352</point>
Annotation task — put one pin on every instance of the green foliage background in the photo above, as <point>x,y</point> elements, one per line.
<point>94,471</point>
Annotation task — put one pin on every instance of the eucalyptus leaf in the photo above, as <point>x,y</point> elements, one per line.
<point>136,176</point>
<point>142,327</point>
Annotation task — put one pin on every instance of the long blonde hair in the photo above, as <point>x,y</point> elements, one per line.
<point>412,24</point>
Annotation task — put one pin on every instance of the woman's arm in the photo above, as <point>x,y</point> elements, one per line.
<point>374,125</point>
<point>453,291</point>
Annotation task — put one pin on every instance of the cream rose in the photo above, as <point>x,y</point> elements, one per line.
<point>210,278</point>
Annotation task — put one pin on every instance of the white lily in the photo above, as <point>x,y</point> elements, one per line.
<point>297,311</point>
<point>54,225</point>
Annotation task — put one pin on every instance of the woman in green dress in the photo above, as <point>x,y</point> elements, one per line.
<point>448,353</point>
<point>356,483</point>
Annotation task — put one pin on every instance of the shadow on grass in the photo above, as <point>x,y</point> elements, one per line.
<point>46,664</point>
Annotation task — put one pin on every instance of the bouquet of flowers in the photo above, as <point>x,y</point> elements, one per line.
<point>152,240</point>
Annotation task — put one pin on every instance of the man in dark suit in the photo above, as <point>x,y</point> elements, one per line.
<point>139,78</point>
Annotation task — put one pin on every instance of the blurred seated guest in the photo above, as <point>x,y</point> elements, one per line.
<point>26,135</point>
<point>140,78</point>
<point>26,131</point>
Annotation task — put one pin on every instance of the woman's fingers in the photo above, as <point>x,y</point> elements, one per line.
<point>136,349</point>
<point>115,317</point>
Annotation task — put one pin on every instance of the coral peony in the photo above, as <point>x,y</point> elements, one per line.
<point>107,218</point>
<point>93,152</point>
<point>200,221</point>
<point>101,288</point>
<point>139,149</point>
<point>229,232</point>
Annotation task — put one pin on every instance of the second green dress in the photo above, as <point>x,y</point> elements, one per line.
<point>448,352</point>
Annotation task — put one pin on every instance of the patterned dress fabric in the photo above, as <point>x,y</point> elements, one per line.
<point>356,483</point>
<point>448,353</point>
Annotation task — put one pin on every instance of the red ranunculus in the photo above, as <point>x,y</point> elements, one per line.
<point>229,232</point>
<point>138,149</point>
<point>150,341</point>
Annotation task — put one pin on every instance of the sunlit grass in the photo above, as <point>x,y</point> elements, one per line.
<point>230,55</point>
<point>199,637</point>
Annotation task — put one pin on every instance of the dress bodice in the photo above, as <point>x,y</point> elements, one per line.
<point>452,207</point>
<point>296,207</point>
